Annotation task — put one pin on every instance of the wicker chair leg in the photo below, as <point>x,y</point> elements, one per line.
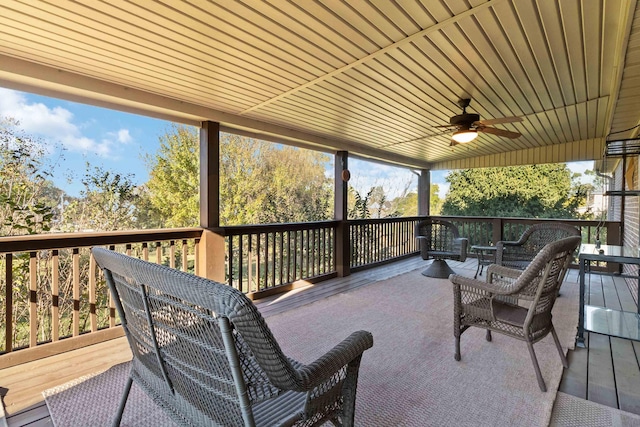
<point>565,363</point>
<point>123,402</point>
<point>488,335</point>
<point>532,353</point>
<point>349,392</point>
<point>457,355</point>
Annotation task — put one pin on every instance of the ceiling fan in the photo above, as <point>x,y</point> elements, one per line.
<point>467,125</point>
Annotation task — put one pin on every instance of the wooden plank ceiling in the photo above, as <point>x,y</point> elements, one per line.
<point>373,77</point>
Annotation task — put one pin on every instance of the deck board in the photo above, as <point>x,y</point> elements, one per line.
<point>627,374</point>
<point>574,379</point>
<point>601,385</point>
<point>607,371</point>
<point>36,415</point>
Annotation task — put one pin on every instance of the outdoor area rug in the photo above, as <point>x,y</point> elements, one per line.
<point>573,411</point>
<point>408,378</point>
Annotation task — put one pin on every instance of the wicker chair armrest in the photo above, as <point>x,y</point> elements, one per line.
<point>503,244</point>
<point>325,366</point>
<point>497,287</point>
<point>500,270</point>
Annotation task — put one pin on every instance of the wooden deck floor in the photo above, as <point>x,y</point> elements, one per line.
<point>607,372</point>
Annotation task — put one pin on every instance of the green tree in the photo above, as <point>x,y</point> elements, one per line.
<point>260,182</point>
<point>375,204</point>
<point>406,205</point>
<point>27,196</point>
<point>174,178</point>
<point>535,191</point>
<point>435,201</point>
<point>107,203</point>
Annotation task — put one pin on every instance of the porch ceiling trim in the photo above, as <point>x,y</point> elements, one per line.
<point>572,151</point>
<point>31,77</point>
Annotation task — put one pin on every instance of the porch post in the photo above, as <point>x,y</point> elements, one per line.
<point>342,251</point>
<point>424,192</point>
<point>211,253</point>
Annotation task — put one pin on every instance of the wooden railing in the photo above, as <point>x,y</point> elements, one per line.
<point>264,258</point>
<point>53,292</point>
<point>375,241</point>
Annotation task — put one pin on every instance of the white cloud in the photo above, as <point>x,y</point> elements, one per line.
<point>443,189</point>
<point>124,137</point>
<point>394,180</point>
<point>52,124</point>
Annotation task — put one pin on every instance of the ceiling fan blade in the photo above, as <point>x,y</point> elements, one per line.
<point>446,126</point>
<point>499,120</point>
<point>499,132</point>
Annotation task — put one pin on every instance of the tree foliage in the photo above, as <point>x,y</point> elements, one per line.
<point>108,202</point>
<point>174,178</point>
<point>27,196</point>
<point>435,201</point>
<point>260,182</point>
<point>535,191</point>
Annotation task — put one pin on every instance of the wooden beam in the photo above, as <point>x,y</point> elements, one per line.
<point>211,248</point>
<point>341,178</point>
<point>424,192</point>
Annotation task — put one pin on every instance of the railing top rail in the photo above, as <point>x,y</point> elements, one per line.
<point>36,242</point>
<point>527,220</point>
<point>386,220</point>
<point>235,230</point>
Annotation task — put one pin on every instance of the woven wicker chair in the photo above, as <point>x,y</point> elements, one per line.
<point>518,254</point>
<point>204,354</point>
<point>514,302</point>
<point>440,240</point>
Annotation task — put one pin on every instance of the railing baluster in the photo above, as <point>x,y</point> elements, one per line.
<point>306,253</point>
<point>230,252</point>
<point>196,262</point>
<point>8,301</point>
<point>274,256</point>
<point>33,300</point>
<point>145,251</point>
<point>185,253</point>
<point>76,291</point>
<point>158,252</point>
<point>92,294</point>
<point>288,256</point>
<point>241,264</point>
<point>172,254</point>
<point>112,304</point>
<point>295,256</point>
<point>258,261</point>
<point>250,263</point>
<point>281,255</point>
<point>55,298</point>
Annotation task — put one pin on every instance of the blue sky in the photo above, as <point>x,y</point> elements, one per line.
<point>74,134</point>
<point>119,141</point>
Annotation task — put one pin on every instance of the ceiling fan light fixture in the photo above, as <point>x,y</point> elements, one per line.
<point>464,135</point>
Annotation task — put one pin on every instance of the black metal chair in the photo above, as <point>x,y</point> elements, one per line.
<point>439,240</point>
